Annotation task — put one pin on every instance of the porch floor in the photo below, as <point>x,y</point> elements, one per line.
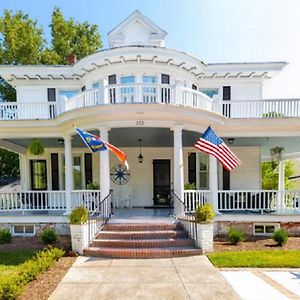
<point>142,215</point>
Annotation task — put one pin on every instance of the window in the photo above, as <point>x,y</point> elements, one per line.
<point>127,79</point>
<point>210,92</point>
<point>194,87</point>
<point>112,79</point>
<point>23,230</point>
<point>38,175</point>
<point>68,94</point>
<point>265,229</point>
<point>83,88</point>
<point>149,79</point>
<point>203,163</point>
<point>51,94</point>
<point>226,92</point>
<point>96,85</point>
<point>77,172</point>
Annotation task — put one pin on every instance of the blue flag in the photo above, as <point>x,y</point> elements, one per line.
<point>94,143</point>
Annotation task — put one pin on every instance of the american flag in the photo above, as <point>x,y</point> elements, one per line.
<point>210,143</point>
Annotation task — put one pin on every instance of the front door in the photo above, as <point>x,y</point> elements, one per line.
<point>161,181</point>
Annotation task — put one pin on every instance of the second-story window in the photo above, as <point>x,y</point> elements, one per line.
<point>149,89</point>
<point>127,79</point>
<point>210,92</point>
<point>149,79</point>
<point>68,94</point>
<point>165,79</point>
<point>112,79</point>
<point>127,91</point>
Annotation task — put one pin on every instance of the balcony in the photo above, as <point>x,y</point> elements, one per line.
<point>152,94</point>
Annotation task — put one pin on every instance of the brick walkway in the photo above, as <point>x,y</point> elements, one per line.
<point>169,278</point>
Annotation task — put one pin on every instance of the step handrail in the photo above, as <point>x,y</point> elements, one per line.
<point>185,216</point>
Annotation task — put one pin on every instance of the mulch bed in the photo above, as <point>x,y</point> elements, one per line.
<point>44,285</point>
<point>255,243</point>
<point>35,243</point>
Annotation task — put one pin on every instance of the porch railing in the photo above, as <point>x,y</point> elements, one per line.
<point>184,215</point>
<point>33,200</point>
<point>260,200</point>
<point>89,199</point>
<point>195,198</point>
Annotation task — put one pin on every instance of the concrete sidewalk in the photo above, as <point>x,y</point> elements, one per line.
<point>170,278</point>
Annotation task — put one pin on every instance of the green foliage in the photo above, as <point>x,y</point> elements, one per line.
<point>236,236</point>
<point>12,284</point>
<point>270,171</point>
<point>204,214</point>
<point>93,186</point>
<point>280,236</point>
<point>190,186</point>
<point>5,236</point>
<point>79,215</point>
<point>22,39</point>
<point>256,259</point>
<point>49,236</point>
<point>70,37</point>
<point>9,164</point>
<point>273,114</point>
<point>36,147</point>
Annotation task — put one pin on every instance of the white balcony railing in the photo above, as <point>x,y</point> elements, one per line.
<point>152,93</point>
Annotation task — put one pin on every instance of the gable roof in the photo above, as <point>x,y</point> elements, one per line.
<point>136,17</point>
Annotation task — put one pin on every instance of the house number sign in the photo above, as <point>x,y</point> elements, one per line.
<point>139,123</point>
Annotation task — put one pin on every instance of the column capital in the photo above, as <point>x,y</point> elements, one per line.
<point>177,128</point>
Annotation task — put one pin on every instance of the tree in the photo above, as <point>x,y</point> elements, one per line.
<point>22,42</point>
<point>270,172</point>
<point>70,37</point>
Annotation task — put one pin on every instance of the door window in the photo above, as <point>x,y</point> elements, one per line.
<point>38,175</point>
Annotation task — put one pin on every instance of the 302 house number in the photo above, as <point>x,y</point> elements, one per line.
<point>139,123</point>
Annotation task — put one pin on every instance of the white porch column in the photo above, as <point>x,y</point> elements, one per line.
<point>104,165</point>
<point>281,185</point>
<point>68,173</point>
<point>213,182</point>
<point>178,177</point>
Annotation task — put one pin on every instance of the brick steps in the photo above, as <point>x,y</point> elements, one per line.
<point>138,240</point>
<point>152,243</point>
<point>142,235</point>
<point>141,253</point>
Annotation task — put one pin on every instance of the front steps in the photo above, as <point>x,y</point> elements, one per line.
<point>134,240</point>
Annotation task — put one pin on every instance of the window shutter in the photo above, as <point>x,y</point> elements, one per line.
<point>51,94</point>
<point>112,79</point>
<point>165,79</point>
<point>192,168</point>
<point>226,179</point>
<point>54,171</point>
<point>88,168</point>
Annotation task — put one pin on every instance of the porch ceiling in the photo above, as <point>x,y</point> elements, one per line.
<point>163,137</point>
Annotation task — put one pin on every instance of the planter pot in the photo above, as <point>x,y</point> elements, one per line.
<point>205,237</point>
<point>79,237</point>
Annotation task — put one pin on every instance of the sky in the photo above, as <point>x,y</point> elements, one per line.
<point>213,30</point>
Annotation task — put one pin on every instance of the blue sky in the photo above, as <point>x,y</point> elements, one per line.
<point>214,30</point>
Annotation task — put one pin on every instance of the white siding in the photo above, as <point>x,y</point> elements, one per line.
<point>31,94</point>
<point>249,91</point>
<point>247,175</point>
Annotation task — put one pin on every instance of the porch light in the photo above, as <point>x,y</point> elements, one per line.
<point>140,157</point>
<point>230,141</point>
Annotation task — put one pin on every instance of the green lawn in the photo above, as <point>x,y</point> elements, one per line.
<point>260,259</point>
<point>10,261</point>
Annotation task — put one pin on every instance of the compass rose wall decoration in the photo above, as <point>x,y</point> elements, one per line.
<point>119,174</point>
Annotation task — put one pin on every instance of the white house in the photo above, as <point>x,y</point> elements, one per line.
<point>152,101</point>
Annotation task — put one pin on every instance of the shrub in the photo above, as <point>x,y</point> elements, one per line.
<point>13,284</point>
<point>5,236</point>
<point>49,236</point>
<point>236,236</point>
<point>79,215</point>
<point>93,186</point>
<point>189,186</point>
<point>204,214</point>
<point>280,236</point>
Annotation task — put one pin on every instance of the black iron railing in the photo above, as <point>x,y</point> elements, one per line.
<point>184,215</point>
<point>99,214</point>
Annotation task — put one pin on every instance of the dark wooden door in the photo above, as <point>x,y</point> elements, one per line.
<point>161,181</point>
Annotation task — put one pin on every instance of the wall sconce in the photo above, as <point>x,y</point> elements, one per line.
<point>230,141</point>
<point>61,141</point>
<point>140,157</point>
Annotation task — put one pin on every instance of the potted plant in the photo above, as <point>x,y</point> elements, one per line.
<point>79,229</point>
<point>204,217</point>
<point>93,186</point>
<point>36,147</point>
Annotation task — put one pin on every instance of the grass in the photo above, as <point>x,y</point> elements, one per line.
<point>257,259</point>
<point>10,261</point>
